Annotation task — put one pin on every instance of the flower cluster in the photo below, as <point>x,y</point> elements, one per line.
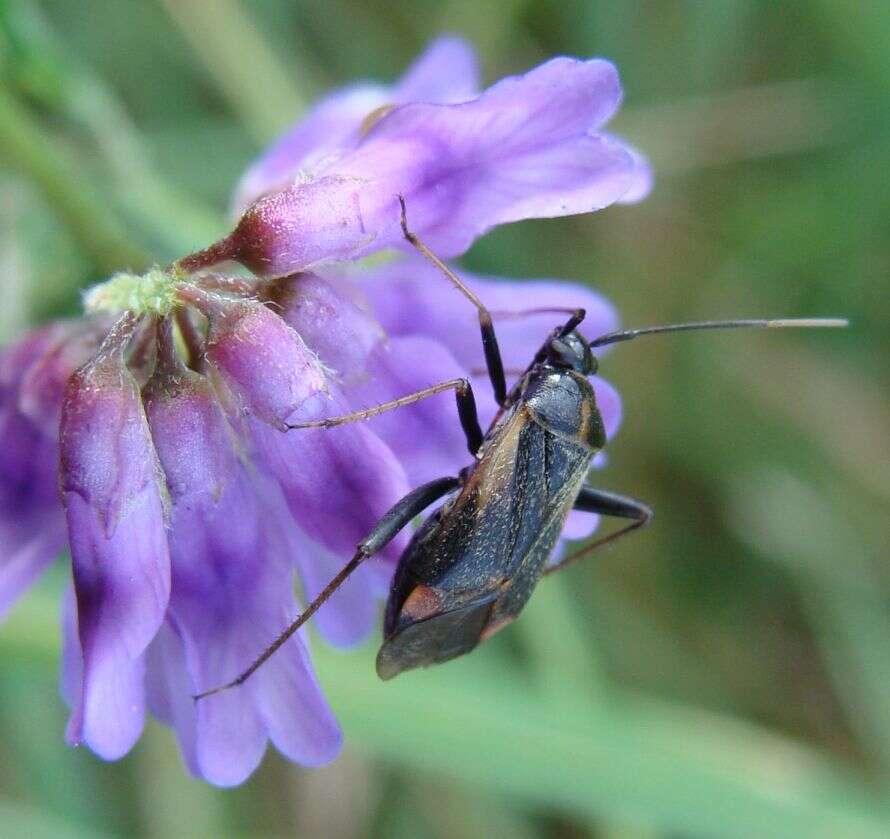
<point>186,504</point>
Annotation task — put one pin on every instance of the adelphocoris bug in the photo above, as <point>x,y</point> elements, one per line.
<point>473,564</point>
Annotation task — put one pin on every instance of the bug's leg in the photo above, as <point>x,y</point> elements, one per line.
<point>493,359</point>
<point>606,503</point>
<point>398,517</point>
<point>466,410</point>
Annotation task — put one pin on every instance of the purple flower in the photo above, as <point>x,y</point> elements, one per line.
<point>528,147</point>
<point>112,491</point>
<point>432,336</point>
<point>187,505</point>
<point>447,72</point>
<point>231,545</point>
<point>33,372</point>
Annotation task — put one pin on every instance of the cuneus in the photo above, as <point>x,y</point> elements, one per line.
<point>473,564</point>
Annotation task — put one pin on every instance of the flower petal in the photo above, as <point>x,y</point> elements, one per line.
<point>299,721</point>
<point>608,401</point>
<point>42,385</point>
<point>446,72</point>
<point>32,524</point>
<point>17,358</point>
<point>426,436</point>
<point>21,567</point>
<point>232,581</point>
<point>168,692</point>
<point>71,675</point>
<point>328,321</point>
<point>338,482</point>
<point>33,372</point>
<point>230,736</point>
<point>262,359</point>
<point>411,297</point>
<point>580,525</point>
<point>347,618</point>
<point>122,586</point>
<point>643,177</point>
<point>332,124</point>
<point>525,148</point>
<point>118,544</point>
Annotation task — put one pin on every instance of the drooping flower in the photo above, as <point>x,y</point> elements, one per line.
<point>446,73</point>
<point>530,146</point>
<point>189,505</point>
<point>33,372</point>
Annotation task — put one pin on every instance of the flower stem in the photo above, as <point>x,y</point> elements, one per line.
<point>40,159</point>
<point>221,251</point>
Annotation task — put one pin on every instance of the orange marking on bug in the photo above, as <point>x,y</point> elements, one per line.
<point>422,603</point>
<point>494,627</point>
<point>374,117</point>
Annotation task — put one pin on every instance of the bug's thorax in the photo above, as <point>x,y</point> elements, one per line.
<point>561,400</point>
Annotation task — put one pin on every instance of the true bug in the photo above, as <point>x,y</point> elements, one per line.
<point>473,564</point>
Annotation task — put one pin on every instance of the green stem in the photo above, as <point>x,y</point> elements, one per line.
<point>241,63</point>
<point>33,153</point>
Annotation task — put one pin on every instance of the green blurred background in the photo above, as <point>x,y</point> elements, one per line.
<point>726,673</point>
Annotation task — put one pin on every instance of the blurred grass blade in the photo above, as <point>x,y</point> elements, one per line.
<point>67,87</point>
<point>845,600</point>
<point>35,824</point>
<point>33,153</point>
<point>243,65</point>
<point>565,658</point>
<point>642,761</point>
<point>683,771</point>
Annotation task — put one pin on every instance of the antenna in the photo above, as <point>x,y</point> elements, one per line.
<point>783,323</point>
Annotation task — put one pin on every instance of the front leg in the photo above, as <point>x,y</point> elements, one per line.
<point>493,361</point>
<point>466,411</point>
<point>606,503</point>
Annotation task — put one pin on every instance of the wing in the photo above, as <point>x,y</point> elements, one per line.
<point>509,511</point>
<point>472,565</point>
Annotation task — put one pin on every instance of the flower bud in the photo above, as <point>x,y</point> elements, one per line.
<point>261,358</point>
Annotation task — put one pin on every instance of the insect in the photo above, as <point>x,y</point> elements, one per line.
<point>473,564</point>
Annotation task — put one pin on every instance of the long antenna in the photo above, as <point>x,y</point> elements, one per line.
<point>783,323</point>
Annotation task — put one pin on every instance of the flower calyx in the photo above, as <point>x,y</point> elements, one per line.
<point>152,293</point>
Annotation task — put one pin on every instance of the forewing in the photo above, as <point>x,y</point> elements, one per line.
<point>518,494</point>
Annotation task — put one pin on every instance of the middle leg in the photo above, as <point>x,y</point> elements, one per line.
<point>466,410</point>
<point>606,503</point>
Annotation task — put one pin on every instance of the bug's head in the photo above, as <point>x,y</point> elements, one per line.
<point>570,350</point>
